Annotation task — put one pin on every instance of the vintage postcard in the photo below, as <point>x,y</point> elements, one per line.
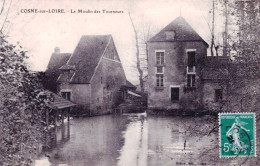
<point>129,82</point>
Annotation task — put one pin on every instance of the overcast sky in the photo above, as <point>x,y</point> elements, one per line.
<point>41,33</point>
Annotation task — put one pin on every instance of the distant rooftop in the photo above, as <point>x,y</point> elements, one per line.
<point>57,60</point>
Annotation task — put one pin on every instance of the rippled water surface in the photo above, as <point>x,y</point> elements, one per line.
<point>132,140</point>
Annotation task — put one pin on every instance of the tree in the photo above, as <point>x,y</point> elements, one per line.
<point>21,107</point>
<point>142,31</point>
<point>137,55</point>
<point>244,69</point>
<point>241,71</point>
<point>214,46</point>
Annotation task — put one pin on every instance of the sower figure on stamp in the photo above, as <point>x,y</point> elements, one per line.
<point>233,134</point>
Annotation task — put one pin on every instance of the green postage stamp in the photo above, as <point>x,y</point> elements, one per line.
<point>237,134</point>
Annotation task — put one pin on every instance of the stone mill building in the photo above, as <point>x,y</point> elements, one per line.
<point>180,74</point>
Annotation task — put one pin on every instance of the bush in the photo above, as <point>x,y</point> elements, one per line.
<point>189,102</point>
<point>21,107</point>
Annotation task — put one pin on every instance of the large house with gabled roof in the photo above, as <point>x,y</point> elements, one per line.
<point>93,75</point>
<point>178,69</point>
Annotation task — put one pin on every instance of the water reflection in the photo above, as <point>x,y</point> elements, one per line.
<point>170,143</point>
<point>128,140</point>
<point>88,141</point>
<point>56,137</point>
<point>134,151</point>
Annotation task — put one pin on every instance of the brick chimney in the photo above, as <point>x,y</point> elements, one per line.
<point>57,50</point>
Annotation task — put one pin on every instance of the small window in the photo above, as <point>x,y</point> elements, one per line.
<point>159,69</point>
<point>66,95</point>
<point>170,35</point>
<point>191,80</point>
<point>191,59</point>
<point>101,80</point>
<point>175,94</point>
<point>218,95</point>
<point>159,80</point>
<point>159,58</point>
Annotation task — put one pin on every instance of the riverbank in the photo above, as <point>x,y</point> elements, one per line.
<point>182,113</point>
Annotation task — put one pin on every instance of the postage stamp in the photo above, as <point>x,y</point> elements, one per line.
<point>237,134</point>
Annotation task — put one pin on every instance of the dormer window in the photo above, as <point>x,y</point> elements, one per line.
<point>170,35</point>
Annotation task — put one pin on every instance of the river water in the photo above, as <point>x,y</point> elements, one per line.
<point>133,140</point>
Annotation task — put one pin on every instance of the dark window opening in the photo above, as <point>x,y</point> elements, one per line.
<point>191,59</point>
<point>159,58</point>
<point>175,94</point>
<point>159,80</point>
<point>191,80</point>
<point>218,95</point>
<point>66,95</point>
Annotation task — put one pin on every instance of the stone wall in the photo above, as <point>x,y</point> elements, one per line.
<point>209,100</point>
<point>174,71</point>
<point>105,84</point>
<point>100,96</point>
<point>80,94</point>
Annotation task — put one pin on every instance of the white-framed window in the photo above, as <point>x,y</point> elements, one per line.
<point>159,69</point>
<point>159,80</point>
<point>191,80</point>
<point>191,60</point>
<point>159,57</point>
<point>191,70</point>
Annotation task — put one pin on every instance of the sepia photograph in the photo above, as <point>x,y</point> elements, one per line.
<point>129,82</point>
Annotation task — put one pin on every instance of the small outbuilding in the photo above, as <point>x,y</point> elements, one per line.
<point>59,108</point>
